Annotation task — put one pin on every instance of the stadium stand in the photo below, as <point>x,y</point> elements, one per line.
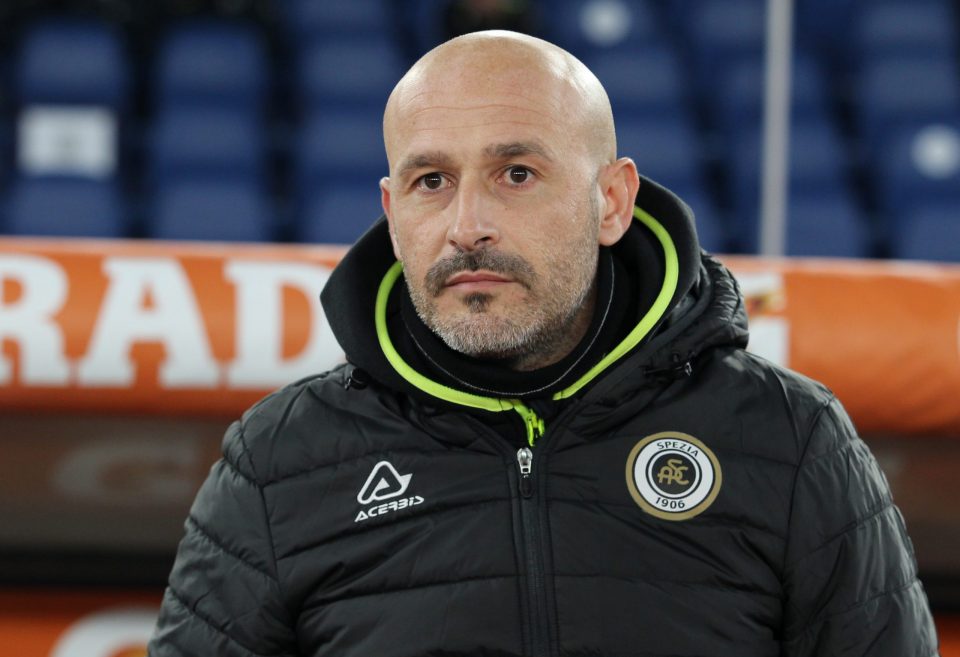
<point>896,89</point>
<point>185,144</point>
<point>663,91</point>
<point>271,97</point>
<point>348,71</point>
<point>929,231</point>
<point>339,213</point>
<point>212,63</point>
<point>309,20</point>
<point>602,25</point>
<point>827,224</point>
<point>72,95</point>
<point>212,209</point>
<point>903,27</point>
<point>73,207</point>
<point>72,62</point>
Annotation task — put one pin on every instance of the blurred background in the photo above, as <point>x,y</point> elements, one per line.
<point>259,121</point>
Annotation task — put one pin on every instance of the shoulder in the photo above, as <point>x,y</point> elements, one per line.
<point>780,410</point>
<point>300,425</point>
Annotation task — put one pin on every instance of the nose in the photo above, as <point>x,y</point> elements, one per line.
<point>472,226</point>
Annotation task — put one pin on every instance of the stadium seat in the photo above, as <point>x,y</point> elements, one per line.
<point>739,97</point>
<point>644,82</point>
<point>896,90</point>
<point>72,62</point>
<point>817,162</point>
<point>339,213</point>
<point>211,210</point>
<point>826,225</point>
<point>825,26</point>
<point>666,150</point>
<point>349,72</point>
<point>929,232</point>
<point>66,207</point>
<point>310,20</point>
<point>903,28</point>
<point>185,144</point>
<point>585,27</point>
<point>914,165</point>
<point>209,63</point>
<point>721,32</point>
<point>339,147</point>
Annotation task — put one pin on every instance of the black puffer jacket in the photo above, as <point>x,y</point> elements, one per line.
<point>688,499</point>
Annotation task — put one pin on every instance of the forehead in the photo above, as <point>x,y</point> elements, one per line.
<point>473,110</point>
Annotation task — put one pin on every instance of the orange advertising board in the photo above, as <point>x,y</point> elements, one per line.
<point>158,327</point>
<point>206,329</point>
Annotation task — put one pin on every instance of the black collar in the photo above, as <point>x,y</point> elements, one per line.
<point>615,314</point>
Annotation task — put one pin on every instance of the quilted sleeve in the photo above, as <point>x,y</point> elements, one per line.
<point>223,596</point>
<point>850,573</point>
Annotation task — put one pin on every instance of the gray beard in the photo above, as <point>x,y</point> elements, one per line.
<point>506,339</point>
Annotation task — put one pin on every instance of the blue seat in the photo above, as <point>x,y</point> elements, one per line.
<point>739,97</point>
<point>827,225</point>
<point>66,207</point>
<point>308,20</point>
<point>584,27</point>
<point>339,147</point>
<point>72,62</point>
<point>817,161</point>
<point>209,63</point>
<point>903,28</point>
<point>817,165</point>
<point>185,144</point>
<point>339,213</point>
<point>721,32</point>
<point>646,81</point>
<point>211,210</point>
<point>667,150</point>
<point>915,164</point>
<point>825,26</point>
<point>357,71</point>
<point>930,232</point>
<point>896,90</point>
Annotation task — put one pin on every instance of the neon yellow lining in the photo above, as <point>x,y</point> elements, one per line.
<point>534,424</point>
<point>660,304</point>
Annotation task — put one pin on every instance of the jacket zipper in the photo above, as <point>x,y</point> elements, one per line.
<point>533,546</point>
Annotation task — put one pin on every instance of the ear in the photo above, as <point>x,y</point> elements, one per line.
<point>385,201</point>
<point>618,184</point>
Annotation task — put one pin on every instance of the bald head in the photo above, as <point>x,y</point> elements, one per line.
<point>503,69</point>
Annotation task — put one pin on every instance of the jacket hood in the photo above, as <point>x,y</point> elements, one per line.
<point>698,307</point>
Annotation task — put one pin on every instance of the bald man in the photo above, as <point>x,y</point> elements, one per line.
<point>548,438</point>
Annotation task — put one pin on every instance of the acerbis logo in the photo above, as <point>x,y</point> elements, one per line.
<point>385,483</point>
<point>673,476</point>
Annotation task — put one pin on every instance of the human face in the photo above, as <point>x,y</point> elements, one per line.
<point>494,211</point>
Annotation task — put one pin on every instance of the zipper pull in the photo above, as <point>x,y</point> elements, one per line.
<point>525,460</point>
<point>533,423</point>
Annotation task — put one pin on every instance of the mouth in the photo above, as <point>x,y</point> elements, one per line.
<point>475,280</point>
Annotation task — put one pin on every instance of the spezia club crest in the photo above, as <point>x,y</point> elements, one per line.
<point>673,476</point>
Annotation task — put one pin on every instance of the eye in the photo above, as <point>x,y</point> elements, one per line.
<point>431,182</point>
<point>517,175</point>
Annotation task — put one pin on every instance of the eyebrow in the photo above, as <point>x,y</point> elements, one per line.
<point>429,160</point>
<point>517,149</point>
